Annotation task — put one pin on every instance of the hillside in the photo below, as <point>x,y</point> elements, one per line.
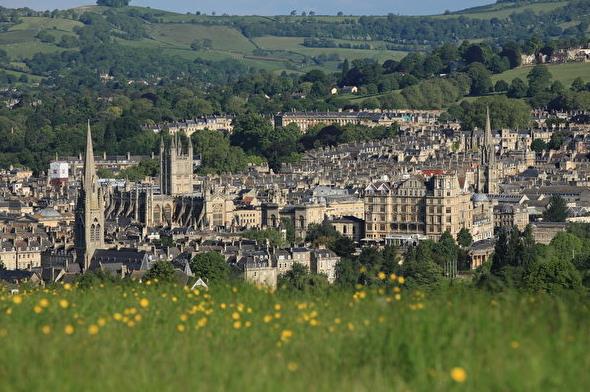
<point>277,43</point>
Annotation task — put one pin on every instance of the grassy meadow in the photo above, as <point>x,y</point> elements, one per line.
<point>502,11</point>
<point>565,73</point>
<point>165,338</point>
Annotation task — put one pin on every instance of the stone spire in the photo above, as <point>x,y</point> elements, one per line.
<point>89,169</point>
<point>89,225</point>
<point>488,130</point>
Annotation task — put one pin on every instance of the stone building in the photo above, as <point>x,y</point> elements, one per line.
<point>417,205</point>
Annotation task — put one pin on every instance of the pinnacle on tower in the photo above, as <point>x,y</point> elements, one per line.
<point>488,129</point>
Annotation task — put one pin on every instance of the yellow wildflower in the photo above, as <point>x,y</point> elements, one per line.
<point>69,329</point>
<point>458,374</point>
<point>17,299</point>
<point>401,280</point>
<point>44,302</point>
<point>267,318</point>
<point>67,286</point>
<point>118,316</point>
<point>235,316</point>
<point>381,275</point>
<point>101,322</point>
<point>64,304</point>
<point>46,329</point>
<point>92,329</point>
<point>144,303</point>
<point>286,335</point>
<point>292,366</point>
<point>237,324</point>
<point>180,328</point>
<point>202,322</point>
<point>37,309</point>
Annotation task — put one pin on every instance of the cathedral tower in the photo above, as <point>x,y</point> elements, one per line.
<point>176,168</point>
<point>89,226</point>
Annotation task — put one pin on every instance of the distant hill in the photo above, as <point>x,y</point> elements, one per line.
<point>279,43</point>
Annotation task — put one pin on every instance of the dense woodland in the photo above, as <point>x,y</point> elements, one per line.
<point>150,87</point>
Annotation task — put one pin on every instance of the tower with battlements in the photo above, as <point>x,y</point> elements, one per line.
<point>176,168</point>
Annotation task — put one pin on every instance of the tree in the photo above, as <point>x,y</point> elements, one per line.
<point>501,86</point>
<point>464,238</point>
<point>539,80</point>
<point>481,83</point>
<point>538,146</point>
<point>113,3</point>
<point>210,266</point>
<point>578,84</point>
<point>518,88</point>
<point>162,270</point>
<point>299,278</point>
<point>557,210</point>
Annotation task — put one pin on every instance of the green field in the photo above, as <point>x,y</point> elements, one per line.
<point>141,337</point>
<point>295,44</point>
<point>42,23</point>
<point>565,73</point>
<point>501,11</point>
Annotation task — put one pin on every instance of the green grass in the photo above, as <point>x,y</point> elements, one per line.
<point>42,23</point>
<point>565,73</point>
<point>502,11</point>
<point>224,38</point>
<point>295,44</point>
<point>513,342</point>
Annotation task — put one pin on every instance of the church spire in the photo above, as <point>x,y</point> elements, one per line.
<point>89,223</point>
<point>488,130</point>
<point>89,170</point>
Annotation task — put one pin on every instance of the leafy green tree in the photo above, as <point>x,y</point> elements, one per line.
<point>578,84</point>
<point>162,270</point>
<point>557,210</point>
<point>518,88</point>
<point>481,83</point>
<point>343,246</point>
<point>348,272</point>
<point>464,238</point>
<point>274,237</point>
<point>210,266</point>
<point>538,146</point>
<point>539,80</point>
<point>501,86</point>
<point>113,3</point>
<point>552,273</point>
<point>300,279</point>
